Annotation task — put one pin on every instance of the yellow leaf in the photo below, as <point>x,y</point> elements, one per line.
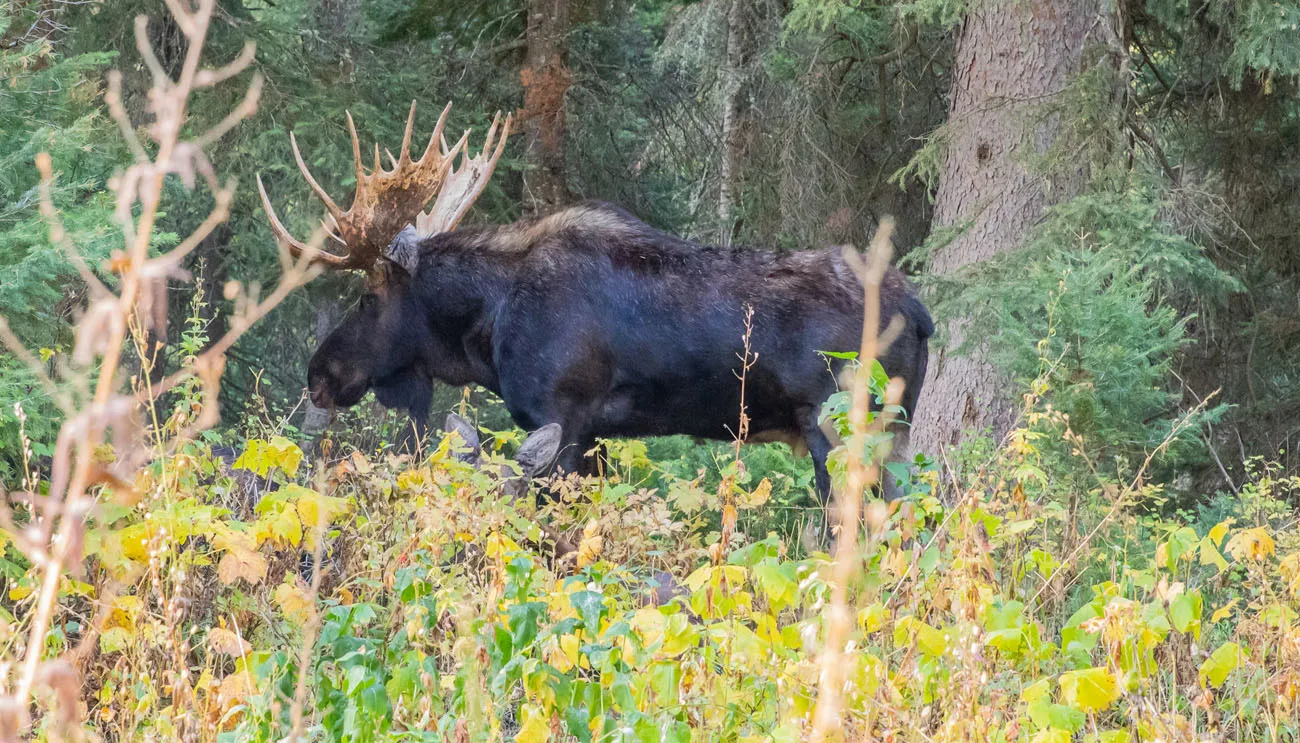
<point>534,727</point>
<point>262,456</point>
<point>20,592</point>
<point>589,549</point>
<point>292,600</point>
<point>565,654</point>
<point>316,510</point>
<point>234,691</point>
<point>1253,544</point>
<point>280,524</point>
<point>1220,530</point>
<point>124,612</point>
<point>1162,555</point>
<point>698,579</point>
<point>1224,612</point>
<point>114,639</point>
<point>1090,689</point>
<point>136,540</point>
<point>499,545</point>
<point>758,497</point>
<point>872,618</point>
<point>1290,570</point>
<point>414,480</point>
<point>247,564</point>
<point>1210,555</point>
<point>649,624</point>
<point>222,640</point>
<point>1223,661</point>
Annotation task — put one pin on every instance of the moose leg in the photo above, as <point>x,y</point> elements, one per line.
<point>417,431</point>
<point>819,446</point>
<point>573,454</point>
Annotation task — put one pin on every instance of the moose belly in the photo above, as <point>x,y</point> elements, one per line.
<point>706,406</point>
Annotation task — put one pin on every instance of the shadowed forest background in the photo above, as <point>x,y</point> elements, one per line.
<point>1100,204</point>
<point>1157,209</point>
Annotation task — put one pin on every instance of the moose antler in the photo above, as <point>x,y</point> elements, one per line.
<point>387,201</point>
<point>461,186</point>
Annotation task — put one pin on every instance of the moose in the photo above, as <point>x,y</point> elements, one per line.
<point>587,317</point>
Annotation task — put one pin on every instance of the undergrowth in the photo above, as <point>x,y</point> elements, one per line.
<point>1016,613</point>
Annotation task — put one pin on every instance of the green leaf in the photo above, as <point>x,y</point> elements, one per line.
<point>589,606</point>
<point>114,639</point>
<point>1185,613</point>
<point>777,583</point>
<point>1221,662</point>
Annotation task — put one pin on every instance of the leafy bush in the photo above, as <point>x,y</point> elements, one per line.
<point>1093,308</point>
<point>997,619</point>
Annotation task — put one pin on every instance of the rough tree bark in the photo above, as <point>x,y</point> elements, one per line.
<point>545,77</point>
<point>736,118</point>
<point>335,18</point>
<point>1012,56</point>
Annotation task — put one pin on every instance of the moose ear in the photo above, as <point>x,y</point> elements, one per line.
<point>404,250</point>
<point>468,434</point>
<point>539,449</point>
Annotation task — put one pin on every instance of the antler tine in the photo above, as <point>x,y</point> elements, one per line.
<point>332,230</point>
<point>462,145</point>
<point>404,155</point>
<point>356,150</point>
<point>436,136</point>
<point>463,184</point>
<point>296,247</point>
<point>492,132</point>
<point>501,144</point>
<point>311,180</point>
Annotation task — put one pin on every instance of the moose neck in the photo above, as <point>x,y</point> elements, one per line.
<point>459,286</point>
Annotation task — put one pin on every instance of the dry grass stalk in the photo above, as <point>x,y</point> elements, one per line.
<point>861,474</point>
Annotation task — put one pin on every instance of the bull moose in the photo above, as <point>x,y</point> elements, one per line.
<point>587,317</point>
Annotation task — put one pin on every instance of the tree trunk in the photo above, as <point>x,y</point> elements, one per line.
<point>335,18</point>
<point>545,77</point>
<point>1012,56</point>
<point>735,115</point>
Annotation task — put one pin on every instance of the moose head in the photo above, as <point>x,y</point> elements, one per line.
<point>380,232</point>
